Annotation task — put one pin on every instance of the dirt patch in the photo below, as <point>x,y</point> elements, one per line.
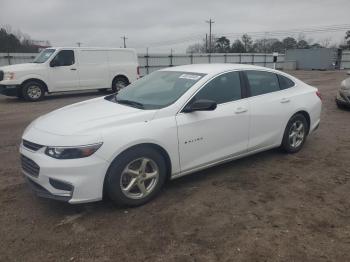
<point>267,207</point>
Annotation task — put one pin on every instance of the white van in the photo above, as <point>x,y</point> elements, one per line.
<point>69,69</point>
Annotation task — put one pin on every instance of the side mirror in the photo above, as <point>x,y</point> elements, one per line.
<point>348,73</point>
<point>200,105</point>
<point>53,63</point>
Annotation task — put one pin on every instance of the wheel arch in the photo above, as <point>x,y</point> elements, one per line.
<point>35,80</point>
<point>155,146</point>
<point>122,76</point>
<point>307,117</point>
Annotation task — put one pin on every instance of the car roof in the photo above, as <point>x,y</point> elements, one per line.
<point>214,68</point>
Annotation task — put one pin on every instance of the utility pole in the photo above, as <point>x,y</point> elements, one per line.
<point>210,22</point>
<point>265,36</point>
<point>206,43</point>
<point>124,38</point>
<point>79,44</point>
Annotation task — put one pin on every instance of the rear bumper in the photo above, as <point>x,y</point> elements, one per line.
<point>9,90</point>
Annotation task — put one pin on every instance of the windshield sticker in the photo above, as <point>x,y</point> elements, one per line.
<point>190,77</point>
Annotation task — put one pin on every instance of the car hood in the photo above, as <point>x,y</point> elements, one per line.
<point>20,67</point>
<point>90,117</point>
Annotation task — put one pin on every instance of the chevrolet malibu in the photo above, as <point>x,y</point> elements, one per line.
<point>170,123</point>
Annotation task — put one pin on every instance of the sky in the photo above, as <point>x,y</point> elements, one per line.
<point>162,25</point>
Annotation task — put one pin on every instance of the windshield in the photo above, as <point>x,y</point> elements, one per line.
<point>43,56</point>
<point>158,89</point>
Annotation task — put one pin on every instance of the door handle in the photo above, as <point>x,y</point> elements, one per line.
<point>285,100</point>
<point>73,69</point>
<point>241,110</point>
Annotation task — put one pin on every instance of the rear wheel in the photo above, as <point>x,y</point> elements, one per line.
<point>33,91</point>
<point>136,176</point>
<point>119,83</point>
<point>295,134</point>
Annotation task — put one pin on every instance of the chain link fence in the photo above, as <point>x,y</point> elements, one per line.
<point>152,62</point>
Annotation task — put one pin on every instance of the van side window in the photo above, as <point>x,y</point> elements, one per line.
<point>222,89</point>
<point>262,82</point>
<point>285,82</point>
<point>65,58</point>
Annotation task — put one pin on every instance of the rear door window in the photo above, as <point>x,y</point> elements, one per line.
<point>222,89</point>
<point>262,82</point>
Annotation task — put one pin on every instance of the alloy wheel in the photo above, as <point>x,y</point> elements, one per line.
<point>296,134</point>
<point>139,178</point>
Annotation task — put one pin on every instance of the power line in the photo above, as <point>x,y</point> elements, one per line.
<point>257,34</point>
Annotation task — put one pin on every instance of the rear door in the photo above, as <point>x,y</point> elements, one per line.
<point>270,109</point>
<point>210,136</point>
<point>64,74</point>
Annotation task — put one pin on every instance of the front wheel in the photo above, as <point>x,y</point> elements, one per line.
<point>33,91</point>
<point>295,134</point>
<point>136,176</point>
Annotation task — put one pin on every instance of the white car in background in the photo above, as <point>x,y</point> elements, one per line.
<point>168,124</point>
<point>70,69</point>
<point>343,97</point>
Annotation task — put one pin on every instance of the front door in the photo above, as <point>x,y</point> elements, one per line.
<point>206,137</point>
<point>63,72</point>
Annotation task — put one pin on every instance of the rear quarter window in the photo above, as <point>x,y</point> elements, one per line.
<point>285,82</point>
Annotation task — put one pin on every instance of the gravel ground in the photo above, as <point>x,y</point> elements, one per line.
<point>267,207</point>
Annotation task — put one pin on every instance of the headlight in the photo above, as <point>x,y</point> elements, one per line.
<point>9,75</point>
<point>72,152</point>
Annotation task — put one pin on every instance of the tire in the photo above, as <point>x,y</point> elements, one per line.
<point>340,105</point>
<point>130,170</point>
<point>295,134</point>
<point>33,91</point>
<point>119,83</point>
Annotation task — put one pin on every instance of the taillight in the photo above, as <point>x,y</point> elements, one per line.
<point>319,95</point>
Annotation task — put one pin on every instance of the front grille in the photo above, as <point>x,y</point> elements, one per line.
<point>29,166</point>
<point>31,146</point>
<point>1,75</point>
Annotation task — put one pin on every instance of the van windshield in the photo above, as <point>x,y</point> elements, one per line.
<point>43,56</point>
<point>158,89</point>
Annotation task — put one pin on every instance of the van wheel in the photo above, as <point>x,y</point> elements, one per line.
<point>33,91</point>
<point>295,134</point>
<point>136,176</point>
<point>119,83</point>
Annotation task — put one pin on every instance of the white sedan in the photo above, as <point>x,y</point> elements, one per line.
<point>168,124</point>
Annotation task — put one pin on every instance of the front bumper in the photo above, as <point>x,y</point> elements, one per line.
<point>343,98</point>
<point>73,180</point>
<point>12,90</point>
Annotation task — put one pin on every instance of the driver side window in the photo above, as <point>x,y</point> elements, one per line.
<point>64,58</point>
<point>222,89</point>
